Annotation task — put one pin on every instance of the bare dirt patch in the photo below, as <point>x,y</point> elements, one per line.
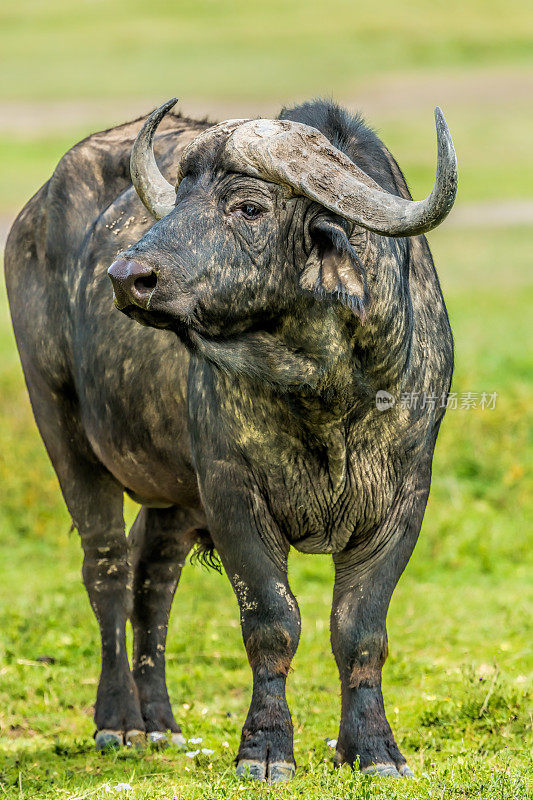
<point>380,97</point>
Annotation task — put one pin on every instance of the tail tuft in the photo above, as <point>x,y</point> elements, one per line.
<point>204,552</point>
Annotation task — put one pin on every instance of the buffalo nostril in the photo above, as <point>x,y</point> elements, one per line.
<point>133,282</point>
<point>145,283</point>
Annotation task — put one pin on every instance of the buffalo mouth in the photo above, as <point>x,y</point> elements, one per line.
<point>192,329</point>
<point>159,320</point>
<point>150,319</point>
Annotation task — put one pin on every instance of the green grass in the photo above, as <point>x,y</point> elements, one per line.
<point>213,53</point>
<point>129,47</point>
<point>457,680</point>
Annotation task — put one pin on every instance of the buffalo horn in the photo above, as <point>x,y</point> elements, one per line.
<point>157,194</point>
<point>303,159</point>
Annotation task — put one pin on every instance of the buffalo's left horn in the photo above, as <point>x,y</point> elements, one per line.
<point>157,194</point>
<point>303,159</point>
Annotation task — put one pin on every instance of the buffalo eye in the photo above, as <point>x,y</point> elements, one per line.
<point>250,211</point>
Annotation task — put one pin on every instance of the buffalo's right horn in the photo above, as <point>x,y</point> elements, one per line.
<point>303,159</point>
<point>157,194</point>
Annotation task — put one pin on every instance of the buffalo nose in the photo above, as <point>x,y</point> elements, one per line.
<point>132,281</point>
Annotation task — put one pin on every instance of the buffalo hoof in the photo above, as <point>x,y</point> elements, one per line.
<point>389,770</point>
<point>108,740</point>
<point>279,771</point>
<point>178,740</point>
<point>382,770</point>
<point>159,740</point>
<point>248,768</point>
<point>275,771</point>
<point>135,738</point>
<point>406,772</point>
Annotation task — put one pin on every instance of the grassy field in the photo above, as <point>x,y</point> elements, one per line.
<point>457,683</point>
<point>254,57</point>
<point>244,49</point>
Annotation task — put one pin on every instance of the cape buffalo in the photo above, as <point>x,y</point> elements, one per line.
<point>288,305</point>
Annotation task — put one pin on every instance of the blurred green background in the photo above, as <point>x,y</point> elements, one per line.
<point>457,680</point>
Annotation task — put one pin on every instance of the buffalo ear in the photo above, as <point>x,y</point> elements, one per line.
<point>333,266</point>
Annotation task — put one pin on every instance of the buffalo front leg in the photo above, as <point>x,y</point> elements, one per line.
<point>256,564</point>
<point>160,541</point>
<point>270,621</point>
<point>364,583</point>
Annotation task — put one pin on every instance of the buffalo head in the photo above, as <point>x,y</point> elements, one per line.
<point>260,221</point>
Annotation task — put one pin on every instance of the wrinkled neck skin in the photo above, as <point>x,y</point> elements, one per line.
<point>319,356</point>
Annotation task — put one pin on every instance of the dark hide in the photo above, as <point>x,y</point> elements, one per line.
<point>247,422</point>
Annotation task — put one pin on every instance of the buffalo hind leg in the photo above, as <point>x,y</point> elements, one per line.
<point>160,540</point>
<point>363,588</point>
<point>95,502</point>
<point>107,578</point>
